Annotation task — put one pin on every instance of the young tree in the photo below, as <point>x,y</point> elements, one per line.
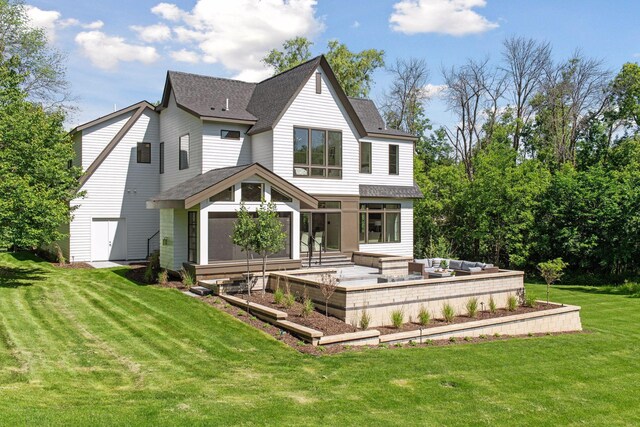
<point>42,66</point>
<point>36,181</point>
<point>269,237</point>
<point>551,271</point>
<point>328,285</point>
<point>244,232</point>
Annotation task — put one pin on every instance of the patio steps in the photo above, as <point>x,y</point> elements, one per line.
<point>328,260</point>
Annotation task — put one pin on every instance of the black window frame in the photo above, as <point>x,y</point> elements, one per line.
<point>223,136</point>
<point>192,237</point>
<point>362,168</point>
<point>188,159</point>
<point>394,159</point>
<point>309,169</point>
<point>368,209</point>
<point>161,158</point>
<point>139,151</point>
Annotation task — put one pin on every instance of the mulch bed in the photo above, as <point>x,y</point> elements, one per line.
<point>315,320</point>
<point>73,265</point>
<point>412,326</point>
<point>136,274</point>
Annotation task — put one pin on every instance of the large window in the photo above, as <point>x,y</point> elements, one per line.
<point>192,236</point>
<point>183,154</point>
<point>317,153</point>
<point>379,223</point>
<point>394,159</point>
<point>144,152</point>
<point>365,157</point>
<point>251,192</point>
<point>161,157</point>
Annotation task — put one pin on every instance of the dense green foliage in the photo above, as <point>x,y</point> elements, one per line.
<point>352,69</point>
<point>36,182</point>
<point>80,347</point>
<point>572,189</point>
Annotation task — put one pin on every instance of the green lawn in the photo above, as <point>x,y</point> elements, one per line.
<point>90,347</point>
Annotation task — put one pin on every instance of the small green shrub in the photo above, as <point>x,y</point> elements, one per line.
<point>289,300</point>
<point>383,345</point>
<point>483,337</point>
<point>278,296</point>
<point>452,339</point>
<point>428,342</point>
<point>530,334</point>
<point>307,307</point>
<point>187,279</point>
<point>322,349</point>
<point>497,335</point>
<point>397,318</point>
<point>412,343</point>
<point>448,313</point>
<point>300,343</point>
<point>630,288</point>
<point>423,316</point>
<point>467,339</point>
<point>148,274</point>
<point>530,301</point>
<point>365,320</point>
<point>163,277</point>
<point>472,307</point>
<point>492,305</point>
<point>512,303</point>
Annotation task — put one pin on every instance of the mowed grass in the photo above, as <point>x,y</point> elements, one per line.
<point>88,347</point>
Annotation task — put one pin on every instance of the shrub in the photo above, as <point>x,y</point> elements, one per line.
<point>492,305</point>
<point>365,319</point>
<point>448,313</point>
<point>187,279</point>
<point>397,318</point>
<point>551,271</point>
<point>148,274</point>
<point>452,339</point>
<point>483,337</point>
<point>423,316</point>
<point>530,301</point>
<point>512,303</point>
<point>163,277</point>
<point>278,296</point>
<point>467,339</point>
<point>289,300</point>
<point>307,307</point>
<point>472,307</point>
<point>322,349</point>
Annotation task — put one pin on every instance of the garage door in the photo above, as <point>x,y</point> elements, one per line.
<point>108,239</point>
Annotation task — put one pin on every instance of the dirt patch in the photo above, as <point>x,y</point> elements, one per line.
<point>434,323</point>
<point>73,265</point>
<point>136,274</point>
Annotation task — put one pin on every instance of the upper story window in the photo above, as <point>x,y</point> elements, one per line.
<point>227,195</point>
<point>161,157</point>
<point>183,153</point>
<point>144,152</point>
<point>279,196</point>
<point>394,159</point>
<point>251,192</point>
<point>230,134</point>
<point>317,153</point>
<point>365,157</point>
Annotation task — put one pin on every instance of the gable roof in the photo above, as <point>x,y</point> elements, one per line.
<point>192,191</point>
<point>372,120</point>
<point>263,104</point>
<point>110,116</point>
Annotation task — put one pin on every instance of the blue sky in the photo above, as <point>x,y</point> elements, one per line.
<point>119,51</point>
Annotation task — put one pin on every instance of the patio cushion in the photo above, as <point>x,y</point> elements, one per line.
<point>455,264</point>
<point>421,261</point>
<point>435,262</point>
<point>475,269</point>
<point>487,266</point>
<point>466,265</point>
<point>480,264</point>
<point>429,270</point>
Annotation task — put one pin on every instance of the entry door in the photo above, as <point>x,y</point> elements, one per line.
<point>108,239</point>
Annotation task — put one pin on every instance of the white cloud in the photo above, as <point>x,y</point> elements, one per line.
<point>239,33</point>
<point>253,75</point>
<point>152,33</point>
<point>44,19</point>
<point>184,55</point>
<point>69,22</point>
<point>95,25</point>
<point>433,91</point>
<point>356,24</point>
<point>106,51</point>
<point>453,17</point>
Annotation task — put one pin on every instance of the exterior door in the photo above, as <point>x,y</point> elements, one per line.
<point>324,227</point>
<point>108,239</point>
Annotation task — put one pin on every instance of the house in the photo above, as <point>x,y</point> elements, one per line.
<point>173,176</point>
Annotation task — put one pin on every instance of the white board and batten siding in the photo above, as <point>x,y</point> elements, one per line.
<point>119,188</point>
<point>220,153</point>
<point>324,111</point>
<point>174,123</point>
<point>405,246</point>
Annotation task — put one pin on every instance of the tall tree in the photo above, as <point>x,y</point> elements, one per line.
<point>353,69</point>
<point>35,151</point>
<point>42,66</point>
<point>525,63</point>
<point>625,95</point>
<point>403,103</point>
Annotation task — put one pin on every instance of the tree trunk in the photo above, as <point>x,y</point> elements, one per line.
<point>248,274</point>
<point>264,272</point>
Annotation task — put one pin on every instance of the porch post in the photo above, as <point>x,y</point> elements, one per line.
<point>203,237</point>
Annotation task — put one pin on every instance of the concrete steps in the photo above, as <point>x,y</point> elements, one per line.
<point>329,259</point>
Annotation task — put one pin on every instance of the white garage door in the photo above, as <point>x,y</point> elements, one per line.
<point>108,239</point>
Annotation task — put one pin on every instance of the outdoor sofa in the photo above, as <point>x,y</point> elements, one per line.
<point>461,268</point>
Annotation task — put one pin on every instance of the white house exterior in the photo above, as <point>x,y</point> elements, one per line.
<point>173,176</point>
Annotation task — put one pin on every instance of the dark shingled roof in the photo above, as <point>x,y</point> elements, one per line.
<point>198,183</point>
<point>391,191</point>
<point>371,118</point>
<point>264,103</point>
<point>199,94</point>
